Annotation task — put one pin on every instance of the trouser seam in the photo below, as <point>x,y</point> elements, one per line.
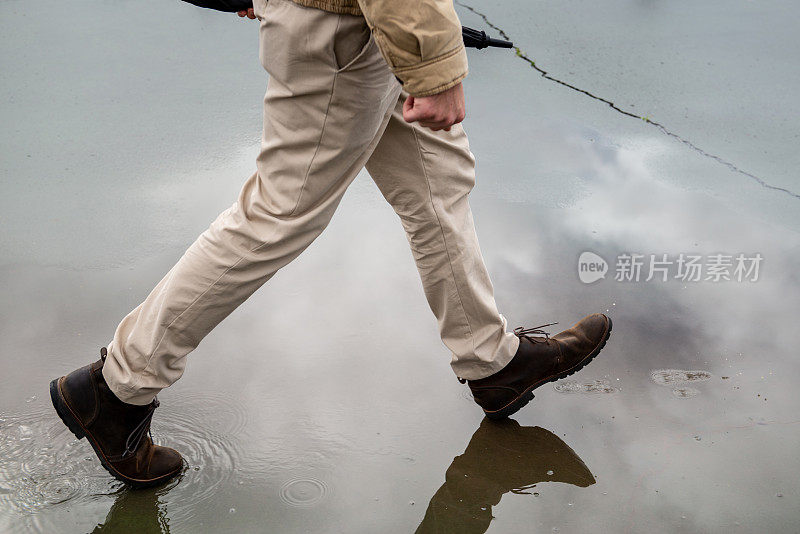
<point>444,239</point>
<point>321,133</point>
<point>166,329</point>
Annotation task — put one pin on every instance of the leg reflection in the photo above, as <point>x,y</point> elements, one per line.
<point>136,511</point>
<point>502,456</point>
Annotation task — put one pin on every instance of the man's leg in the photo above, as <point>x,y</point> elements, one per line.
<point>426,176</point>
<point>329,98</point>
<point>324,111</point>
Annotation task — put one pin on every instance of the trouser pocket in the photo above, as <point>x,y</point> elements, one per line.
<point>351,41</point>
<point>259,8</point>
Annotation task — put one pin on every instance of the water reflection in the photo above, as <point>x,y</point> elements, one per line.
<point>136,511</point>
<point>501,457</point>
<point>268,428</point>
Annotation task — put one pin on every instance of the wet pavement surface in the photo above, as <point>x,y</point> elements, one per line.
<point>326,402</point>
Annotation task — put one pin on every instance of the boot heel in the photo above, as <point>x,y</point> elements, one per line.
<point>63,411</point>
<point>512,408</point>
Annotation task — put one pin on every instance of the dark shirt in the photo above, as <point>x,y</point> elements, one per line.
<point>231,6</point>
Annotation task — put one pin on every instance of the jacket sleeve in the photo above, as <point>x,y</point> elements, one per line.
<point>420,40</point>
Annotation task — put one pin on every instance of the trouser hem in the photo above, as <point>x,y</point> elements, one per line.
<point>472,370</point>
<point>123,391</point>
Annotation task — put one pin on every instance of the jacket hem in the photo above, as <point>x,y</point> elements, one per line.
<point>340,7</point>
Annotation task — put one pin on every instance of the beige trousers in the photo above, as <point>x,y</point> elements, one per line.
<point>332,107</point>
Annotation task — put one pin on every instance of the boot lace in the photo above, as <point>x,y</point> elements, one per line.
<point>521,490</point>
<point>527,333</point>
<point>521,332</point>
<point>140,431</point>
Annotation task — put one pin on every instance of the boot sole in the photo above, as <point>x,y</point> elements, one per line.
<point>527,395</point>
<point>74,425</point>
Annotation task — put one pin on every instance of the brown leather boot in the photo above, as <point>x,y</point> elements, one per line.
<point>540,360</point>
<point>118,432</point>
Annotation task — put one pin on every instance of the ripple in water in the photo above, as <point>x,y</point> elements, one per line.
<point>205,429</point>
<point>594,386</point>
<point>43,466</point>
<point>665,377</point>
<point>303,492</point>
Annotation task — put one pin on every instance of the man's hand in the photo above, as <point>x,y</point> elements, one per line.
<point>437,112</point>
<point>249,14</point>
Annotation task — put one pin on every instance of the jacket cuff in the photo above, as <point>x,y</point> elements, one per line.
<point>435,75</point>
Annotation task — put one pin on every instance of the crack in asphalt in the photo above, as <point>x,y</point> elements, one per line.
<point>616,108</point>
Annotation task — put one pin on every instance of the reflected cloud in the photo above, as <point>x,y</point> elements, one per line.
<point>501,457</point>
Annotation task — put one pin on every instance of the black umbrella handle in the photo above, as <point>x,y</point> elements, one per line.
<point>478,39</point>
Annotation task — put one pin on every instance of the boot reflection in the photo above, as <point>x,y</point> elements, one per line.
<point>502,456</point>
<point>136,511</point>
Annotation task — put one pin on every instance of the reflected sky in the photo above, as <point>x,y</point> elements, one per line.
<point>326,403</point>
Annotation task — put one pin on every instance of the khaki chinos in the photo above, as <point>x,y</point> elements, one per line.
<point>332,106</point>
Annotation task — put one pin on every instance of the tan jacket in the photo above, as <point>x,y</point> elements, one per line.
<point>421,41</point>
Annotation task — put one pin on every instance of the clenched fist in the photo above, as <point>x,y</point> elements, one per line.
<point>437,112</point>
<point>247,13</point>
